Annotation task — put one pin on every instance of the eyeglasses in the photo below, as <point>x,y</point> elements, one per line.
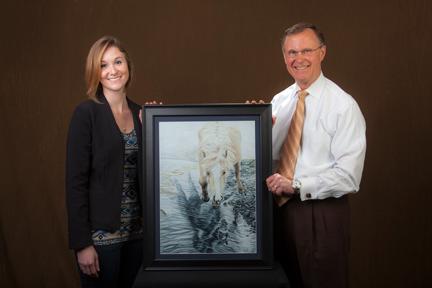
<point>304,52</point>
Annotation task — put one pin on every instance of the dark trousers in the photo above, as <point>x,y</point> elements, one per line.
<point>118,263</point>
<point>313,242</point>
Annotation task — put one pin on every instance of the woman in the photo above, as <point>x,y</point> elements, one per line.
<point>102,172</point>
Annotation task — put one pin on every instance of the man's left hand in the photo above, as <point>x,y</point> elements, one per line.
<point>279,185</point>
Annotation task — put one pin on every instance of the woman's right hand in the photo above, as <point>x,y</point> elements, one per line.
<point>88,261</point>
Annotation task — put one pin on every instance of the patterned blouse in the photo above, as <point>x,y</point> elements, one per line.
<point>130,208</point>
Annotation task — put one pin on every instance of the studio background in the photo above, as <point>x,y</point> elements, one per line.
<point>195,51</point>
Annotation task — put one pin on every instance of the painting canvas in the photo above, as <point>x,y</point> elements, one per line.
<point>207,187</point>
<point>204,198</point>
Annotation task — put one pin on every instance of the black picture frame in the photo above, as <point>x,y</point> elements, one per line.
<point>211,238</point>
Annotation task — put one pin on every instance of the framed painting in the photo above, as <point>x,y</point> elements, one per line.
<point>205,202</point>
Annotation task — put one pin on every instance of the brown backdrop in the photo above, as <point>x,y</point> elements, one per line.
<point>217,51</point>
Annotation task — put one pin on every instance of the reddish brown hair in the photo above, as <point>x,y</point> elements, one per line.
<point>93,64</point>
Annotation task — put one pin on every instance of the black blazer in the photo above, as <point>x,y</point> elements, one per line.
<point>94,170</point>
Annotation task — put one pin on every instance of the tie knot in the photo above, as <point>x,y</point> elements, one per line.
<point>302,94</point>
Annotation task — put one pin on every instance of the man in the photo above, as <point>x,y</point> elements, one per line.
<point>315,168</point>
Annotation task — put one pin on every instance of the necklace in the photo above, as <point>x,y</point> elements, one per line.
<point>121,120</point>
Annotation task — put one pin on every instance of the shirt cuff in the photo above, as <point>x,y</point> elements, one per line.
<point>308,190</point>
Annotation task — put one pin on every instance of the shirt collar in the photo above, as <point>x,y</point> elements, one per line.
<point>315,89</point>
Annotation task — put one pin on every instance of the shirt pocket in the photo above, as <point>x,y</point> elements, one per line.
<point>316,142</point>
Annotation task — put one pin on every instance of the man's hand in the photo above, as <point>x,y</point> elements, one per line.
<point>279,185</point>
<point>88,261</point>
<point>254,102</point>
<point>261,102</point>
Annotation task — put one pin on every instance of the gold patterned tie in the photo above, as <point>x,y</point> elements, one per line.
<point>291,146</point>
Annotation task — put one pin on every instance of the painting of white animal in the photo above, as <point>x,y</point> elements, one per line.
<point>219,150</point>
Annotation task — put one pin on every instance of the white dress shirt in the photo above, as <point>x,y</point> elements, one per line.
<point>333,145</point>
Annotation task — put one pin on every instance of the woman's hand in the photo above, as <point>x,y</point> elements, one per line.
<point>88,261</point>
<point>153,102</point>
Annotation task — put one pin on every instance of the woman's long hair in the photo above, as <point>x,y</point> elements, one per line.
<point>93,65</point>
